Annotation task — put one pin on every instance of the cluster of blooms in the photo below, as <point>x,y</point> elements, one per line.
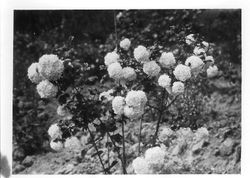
<point>72,143</point>
<point>132,106</point>
<point>49,68</point>
<point>154,158</point>
<point>107,95</point>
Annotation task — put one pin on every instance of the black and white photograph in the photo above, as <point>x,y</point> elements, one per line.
<point>126,91</point>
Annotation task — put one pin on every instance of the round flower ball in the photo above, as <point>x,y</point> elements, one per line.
<point>51,67</point>
<point>178,88</point>
<point>164,81</point>
<point>140,166</point>
<point>111,58</point>
<point>195,63</point>
<point>136,98</point>
<point>115,71</point>
<point>141,54</point>
<point>55,132</point>
<point>125,44</point>
<point>133,112</point>
<point>165,134</point>
<point>118,105</point>
<point>33,73</point>
<point>73,144</point>
<point>155,156</point>
<point>151,68</point>
<point>128,74</point>
<point>57,146</point>
<point>46,89</point>
<point>167,59</point>
<point>182,72</point>
<point>212,71</point>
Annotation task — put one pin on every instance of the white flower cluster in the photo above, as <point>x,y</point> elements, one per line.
<point>51,68</point>
<point>135,103</point>
<point>199,51</point>
<point>111,58</point>
<point>164,81</point>
<point>57,146</point>
<point>55,132</point>
<point>151,68</point>
<point>118,104</point>
<point>195,63</point>
<point>107,95</point>
<point>182,72</point>
<point>46,89</point>
<point>201,133</point>
<point>125,44</point>
<point>141,54</point>
<point>115,71</point>
<point>73,143</point>
<point>33,73</point>
<point>128,74</point>
<point>167,59</point>
<point>154,157</point>
<point>178,88</point>
<point>212,71</point>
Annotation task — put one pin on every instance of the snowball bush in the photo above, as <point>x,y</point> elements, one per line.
<point>151,68</point>
<point>178,88</point>
<point>46,89</point>
<point>115,71</point>
<point>33,73</point>
<point>55,132</point>
<point>155,156</point>
<point>141,54</point>
<point>140,166</point>
<point>182,72</point>
<point>195,63</point>
<point>73,144</point>
<point>118,105</point>
<point>111,58</point>
<point>128,74</point>
<point>164,81</point>
<point>167,59</point>
<point>136,99</point>
<point>57,146</point>
<point>51,68</point>
<point>125,44</point>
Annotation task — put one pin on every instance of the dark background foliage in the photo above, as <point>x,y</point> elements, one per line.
<point>87,36</point>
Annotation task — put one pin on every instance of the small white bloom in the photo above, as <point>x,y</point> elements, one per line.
<point>206,45</point>
<point>33,73</point>
<point>164,81</point>
<point>107,95</point>
<point>167,59</point>
<point>73,143</point>
<point>46,89</point>
<point>136,98</point>
<point>151,68</point>
<point>110,58</point>
<point>57,146</point>
<point>190,39</point>
<point>182,72</point>
<point>155,156</point>
<point>141,54</point>
<point>195,63</point>
<point>133,112</point>
<point>51,67</point>
<point>125,44</point>
<point>140,166</point>
<point>201,133</point>
<point>55,131</point>
<point>129,73</point>
<point>118,105</point>
<point>212,71</point>
<point>178,88</point>
<point>115,71</point>
<point>199,51</point>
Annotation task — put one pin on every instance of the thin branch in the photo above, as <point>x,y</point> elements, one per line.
<point>123,147</point>
<point>139,147</point>
<point>96,148</point>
